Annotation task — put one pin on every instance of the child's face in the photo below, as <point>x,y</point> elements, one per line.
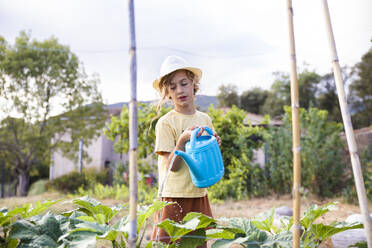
<point>181,90</point>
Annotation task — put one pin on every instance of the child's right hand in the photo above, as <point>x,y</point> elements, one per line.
<point>186,135</point>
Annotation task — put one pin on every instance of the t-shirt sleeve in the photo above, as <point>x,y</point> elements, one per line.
<point>165,139</point>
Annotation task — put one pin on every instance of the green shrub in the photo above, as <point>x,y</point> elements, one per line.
<point>68,183</point>
<point>321,160</point>
<point>38,187</point>
<point>349,193</point>
<point>71,182</point>
<point>99,191</point>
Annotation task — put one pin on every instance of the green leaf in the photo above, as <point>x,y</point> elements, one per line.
<point>39,208</point>
<point>41,241</point>
<point>194,239</point>
<point>100,218</point>
<point>279,240</point>
<point>49,226</point>
<point>322,232</point>
<point>87,218</point>
<point>219,234</point>
<point>13,243</point>
<point>228,243</point>
<point>264,221</point>
<point>149,211</point>
<point>81,239</point>
<point>23,230</point>
<point>177,230</point>
<point>359,245</point>
<point>314,212</point>
<point>109,235</point>
<point>106,213</point>
<point>86,204</point>
<point>204,221</point>
<point>91,227</point>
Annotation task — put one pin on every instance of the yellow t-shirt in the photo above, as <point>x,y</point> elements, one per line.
<point>168,129</point>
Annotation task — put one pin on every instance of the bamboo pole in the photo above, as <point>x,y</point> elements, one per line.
<point>295,132</point>
<point>132,130</point>
<point>361,191</point>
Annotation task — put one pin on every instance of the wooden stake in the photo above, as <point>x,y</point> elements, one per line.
<point>132,130</point>
<point>361,191</point>
<point>295,132</point>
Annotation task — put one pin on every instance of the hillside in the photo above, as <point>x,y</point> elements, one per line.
<point>202,101</point>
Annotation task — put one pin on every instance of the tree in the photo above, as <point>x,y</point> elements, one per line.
<point>280,92</point>
<point>361,89</point>
<point>38,80</point>
<point>327,97</point>
<point>253,100</point>
<point>279,95</point>
<point>228,96</point>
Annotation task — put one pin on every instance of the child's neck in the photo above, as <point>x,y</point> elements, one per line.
<point>186,110</point>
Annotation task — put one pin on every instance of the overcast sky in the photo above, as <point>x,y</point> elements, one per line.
<point>240,42</point>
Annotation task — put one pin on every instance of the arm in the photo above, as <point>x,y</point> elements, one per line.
<point>180,145</point>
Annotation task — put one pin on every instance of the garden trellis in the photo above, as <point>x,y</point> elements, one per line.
<point>361,192</point>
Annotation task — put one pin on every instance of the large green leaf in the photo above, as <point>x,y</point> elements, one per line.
<point>49,226</point>
<point>314,212</point>
<point>228,243</point>
<point>86,204</point>
<point>204,221</point>
<point>23,230</point>
<point>194,239</point>
<point>91,227</point>
<point>264,221</point>
<point>322,232</point>
<point>284,239</point>
<point>81,239</point>
<point>148,211</point>
<point>39,208</point>
<point>177,230</point>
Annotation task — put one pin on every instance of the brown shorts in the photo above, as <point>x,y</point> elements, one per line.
<point>176,212</point>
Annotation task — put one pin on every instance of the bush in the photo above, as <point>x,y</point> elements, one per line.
<point>349,193</point>
<point>321,160</point>
<point>38,187</point>
<point>71,182</point>
<point>68,183</point>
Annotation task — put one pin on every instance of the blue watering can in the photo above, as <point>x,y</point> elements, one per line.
<point>204,159</point>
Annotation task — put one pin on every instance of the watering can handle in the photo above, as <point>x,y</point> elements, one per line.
<point>195,132</point>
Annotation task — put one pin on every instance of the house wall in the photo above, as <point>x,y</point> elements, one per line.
<point>100,150</point>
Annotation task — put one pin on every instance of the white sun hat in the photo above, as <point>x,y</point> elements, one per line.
<point>174,63</point>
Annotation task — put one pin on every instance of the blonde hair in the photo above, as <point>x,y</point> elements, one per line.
<point>163,90</point>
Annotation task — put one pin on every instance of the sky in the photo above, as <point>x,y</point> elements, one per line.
<point>240,42</point>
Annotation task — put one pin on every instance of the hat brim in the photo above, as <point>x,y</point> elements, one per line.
<point>197,72</point>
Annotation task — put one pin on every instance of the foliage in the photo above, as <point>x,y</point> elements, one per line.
<point>117,129</point>
<point>361,89</point>
<point>92,221</point>
<point>350,193</point>
<point>253,100</point>
<point>321,174</point>
<point>72,181</point>
<point>38,187</point>
<point>39,80</point>
<point>145,195</point>
<point>242,177</point>
<point>279,95</point>
<point>228,95</point>
<point>8,218</point>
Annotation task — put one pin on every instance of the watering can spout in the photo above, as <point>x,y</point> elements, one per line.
<point>192,163</point>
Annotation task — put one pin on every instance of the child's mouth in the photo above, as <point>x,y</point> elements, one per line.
<point>182,98</point>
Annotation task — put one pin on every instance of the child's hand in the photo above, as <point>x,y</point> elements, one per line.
<point>217,138</point>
